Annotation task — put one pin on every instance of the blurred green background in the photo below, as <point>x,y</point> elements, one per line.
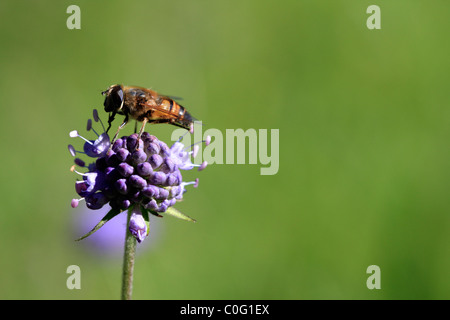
<point>364,157</point>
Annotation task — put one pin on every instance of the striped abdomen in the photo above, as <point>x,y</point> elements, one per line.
<point>169,109</point>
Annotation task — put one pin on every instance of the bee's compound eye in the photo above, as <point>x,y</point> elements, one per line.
<point>113,99</point>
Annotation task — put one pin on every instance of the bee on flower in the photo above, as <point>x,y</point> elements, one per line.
<point>139,174</point>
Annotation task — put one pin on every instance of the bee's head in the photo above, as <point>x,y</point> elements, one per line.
<point>113,98</point>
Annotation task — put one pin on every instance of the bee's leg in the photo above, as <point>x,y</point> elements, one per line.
<point>135,126</point>
<point>125,121</point>
<point>110,120</point>
<point>144,122</point>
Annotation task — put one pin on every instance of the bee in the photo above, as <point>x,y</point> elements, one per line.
<point>144,105</point>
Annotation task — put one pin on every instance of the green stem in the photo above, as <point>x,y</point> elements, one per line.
<point>128,262</point>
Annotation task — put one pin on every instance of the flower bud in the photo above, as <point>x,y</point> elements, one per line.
<point>137,226</point>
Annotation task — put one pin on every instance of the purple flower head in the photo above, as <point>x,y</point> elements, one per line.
<point>138,174</point>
